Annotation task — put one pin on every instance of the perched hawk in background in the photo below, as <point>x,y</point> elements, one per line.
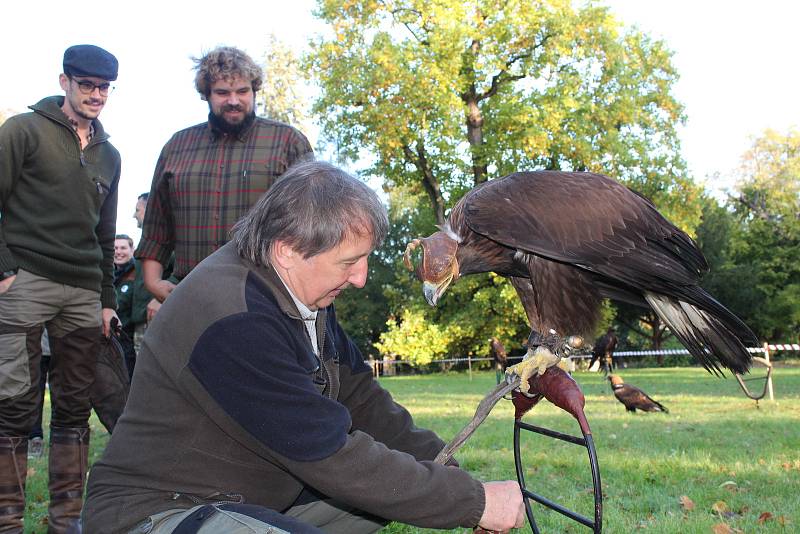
<point>498,353</point>
<point>634,398</point>
<point>566,240</point>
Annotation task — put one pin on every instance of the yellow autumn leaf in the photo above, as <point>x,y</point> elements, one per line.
<point>687,503</point>
<point>719,507</point>
<point>721,528</point>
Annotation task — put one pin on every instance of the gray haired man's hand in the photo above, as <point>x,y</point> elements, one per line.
<point>504,507</point>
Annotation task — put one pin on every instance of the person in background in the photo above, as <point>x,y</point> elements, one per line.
<point>36,439</point>
<point>141,208</point>
<point>125,275</point>
<point>58,200</point>
<point>209,175</point>
<point>274,419</point>
<point>153,304</point>
<point>123,254</point>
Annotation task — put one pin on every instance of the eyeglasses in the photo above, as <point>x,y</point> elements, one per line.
<point>88,87</point>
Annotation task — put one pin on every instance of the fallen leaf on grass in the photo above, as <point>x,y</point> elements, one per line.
<point>782,520</point>
<point>687,503</point>
<point>721,528</point>
<point>720,507</point>
<point>729,485</point>
<point>764,517</point>
<point>788,466</point>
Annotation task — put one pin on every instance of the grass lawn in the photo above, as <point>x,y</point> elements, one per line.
<point>733,461</point>
<point>714,461</point>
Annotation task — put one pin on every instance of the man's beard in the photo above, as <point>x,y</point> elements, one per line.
<point>219,122</point>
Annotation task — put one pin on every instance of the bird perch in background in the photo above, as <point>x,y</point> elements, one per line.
<point>634,398</point>
<point>567,240</point>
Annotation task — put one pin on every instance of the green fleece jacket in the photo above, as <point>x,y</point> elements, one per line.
<point>58,202</point>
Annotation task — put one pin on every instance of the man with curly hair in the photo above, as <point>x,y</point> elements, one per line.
<point>209,175</point>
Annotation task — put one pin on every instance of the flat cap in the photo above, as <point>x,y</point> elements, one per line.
<point>90,60</point>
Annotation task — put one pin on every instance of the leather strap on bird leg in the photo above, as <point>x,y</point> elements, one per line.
<point>407,254</point>
<point>483,410</point>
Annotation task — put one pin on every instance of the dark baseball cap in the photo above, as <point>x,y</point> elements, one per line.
<point>90,60</point>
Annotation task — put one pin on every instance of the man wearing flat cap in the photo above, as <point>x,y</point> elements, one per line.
<point>58,210</point>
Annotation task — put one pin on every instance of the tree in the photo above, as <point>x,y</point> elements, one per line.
<point>446,94</point>
<point>767,244</point>
<point>734,284</point>
<point>449,93</point>
<point>280,97</point>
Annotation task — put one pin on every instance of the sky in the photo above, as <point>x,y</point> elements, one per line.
<point>737,61</point>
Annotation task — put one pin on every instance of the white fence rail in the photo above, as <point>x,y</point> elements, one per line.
<point>387,366</point>
<point>766,349</point>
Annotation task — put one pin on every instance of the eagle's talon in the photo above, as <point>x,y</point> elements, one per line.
<point>538,362</point>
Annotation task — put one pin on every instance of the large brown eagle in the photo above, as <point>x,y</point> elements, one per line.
<point>566,240</point>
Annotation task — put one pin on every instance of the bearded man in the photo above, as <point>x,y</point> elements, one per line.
<point>209,175</point>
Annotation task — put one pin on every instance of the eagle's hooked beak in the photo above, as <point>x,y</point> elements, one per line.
<point>438,267</point>
<point>433,291</point>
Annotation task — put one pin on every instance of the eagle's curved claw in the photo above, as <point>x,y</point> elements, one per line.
<point>543,352</point>
<point>537,363</point>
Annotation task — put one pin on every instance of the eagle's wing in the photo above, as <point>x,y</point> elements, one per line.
<point>587,220</point>
<point>599,226</point>
<point>634,397</point>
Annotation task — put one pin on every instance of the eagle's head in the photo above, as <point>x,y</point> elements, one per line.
<point>438,267</point>
<point>615,380</point>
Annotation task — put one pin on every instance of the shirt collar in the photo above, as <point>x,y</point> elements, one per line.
<point>75,125</point>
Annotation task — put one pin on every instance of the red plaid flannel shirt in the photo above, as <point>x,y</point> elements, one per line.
<point>205,181</point>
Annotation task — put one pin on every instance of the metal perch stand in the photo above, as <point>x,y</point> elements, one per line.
<point>559,388</point>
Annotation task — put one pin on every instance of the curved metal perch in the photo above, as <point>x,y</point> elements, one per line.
<point>766,363</point>
<point>559,388</point>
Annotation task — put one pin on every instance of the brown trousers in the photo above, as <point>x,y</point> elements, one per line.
<point>72,316</point>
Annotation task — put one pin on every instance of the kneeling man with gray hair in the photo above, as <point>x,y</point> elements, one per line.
<point>252,408</point>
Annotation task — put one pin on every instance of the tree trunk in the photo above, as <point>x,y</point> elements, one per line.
<point>431,185</point>
<point>475,138</point>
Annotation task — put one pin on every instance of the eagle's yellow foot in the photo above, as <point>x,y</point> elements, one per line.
<point>538,362</point>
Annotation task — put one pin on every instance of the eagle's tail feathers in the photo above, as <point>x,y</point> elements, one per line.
<point>661,407</point>
<point>707,336</point>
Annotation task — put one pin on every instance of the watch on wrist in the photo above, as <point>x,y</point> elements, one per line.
<point>8,274</point>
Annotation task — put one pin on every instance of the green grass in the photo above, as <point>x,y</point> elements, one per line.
<point>712,436</point>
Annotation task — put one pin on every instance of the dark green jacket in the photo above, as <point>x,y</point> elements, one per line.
<point>132,298</point>
<point>58,202</point>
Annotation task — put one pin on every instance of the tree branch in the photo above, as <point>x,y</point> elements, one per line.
<point>429,182</point>
<point>499,78</point>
